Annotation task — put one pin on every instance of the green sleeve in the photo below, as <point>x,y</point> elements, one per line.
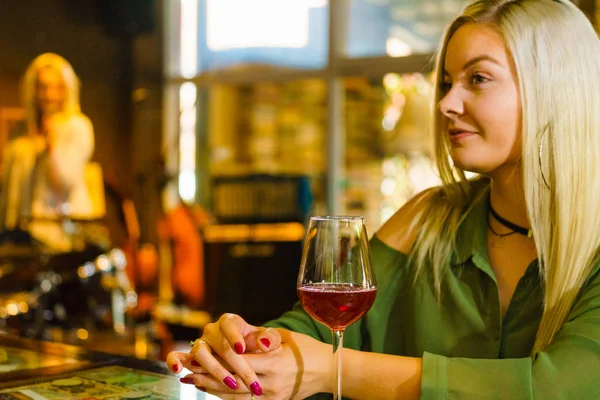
<point>568,369</point>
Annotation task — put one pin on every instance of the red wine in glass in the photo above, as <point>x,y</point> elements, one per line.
<point>336,305</point>
<point>336,283</point>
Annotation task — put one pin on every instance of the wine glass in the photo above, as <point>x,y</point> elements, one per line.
<point>336,283</point>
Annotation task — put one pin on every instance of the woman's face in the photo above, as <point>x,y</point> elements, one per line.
<point>50,91</point>
<point>481,106</point>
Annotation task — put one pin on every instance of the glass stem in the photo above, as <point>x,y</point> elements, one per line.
<point>338,345</point>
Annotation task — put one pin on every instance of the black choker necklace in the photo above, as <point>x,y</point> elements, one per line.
<point>515,228</point>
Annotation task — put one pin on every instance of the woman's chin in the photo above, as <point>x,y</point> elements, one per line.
<point>473,166</point>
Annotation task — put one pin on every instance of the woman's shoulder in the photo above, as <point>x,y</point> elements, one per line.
<point>432,205</point>
<point>77,124</point>
<point>81,120</point>
<point>71,119</point>
<point>400,231</point>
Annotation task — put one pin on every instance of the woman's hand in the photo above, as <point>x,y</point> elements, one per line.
<point>218,353</point>
<point>299,368</point>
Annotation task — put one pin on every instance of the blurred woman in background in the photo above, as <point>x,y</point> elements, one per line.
<point>43,169</point>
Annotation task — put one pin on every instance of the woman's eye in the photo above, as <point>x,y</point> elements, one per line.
<point>477,79</point>
<point>445,86</point>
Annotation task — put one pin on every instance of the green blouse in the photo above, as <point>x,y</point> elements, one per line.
<point>469,351</point>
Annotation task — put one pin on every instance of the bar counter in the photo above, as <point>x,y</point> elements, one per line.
<point>37,370</point>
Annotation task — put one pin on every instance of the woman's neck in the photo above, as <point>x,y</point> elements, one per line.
<point>508,198</point>
<point>42,123</point>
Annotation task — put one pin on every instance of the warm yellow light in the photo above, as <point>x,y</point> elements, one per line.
<point>12,309</point>
<point>82,334</point>
<point>103,263</point>
<point>23,307</point>
<point>281,232</point>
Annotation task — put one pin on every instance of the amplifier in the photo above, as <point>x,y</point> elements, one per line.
<point>261,198</point>
<point>252,274</point>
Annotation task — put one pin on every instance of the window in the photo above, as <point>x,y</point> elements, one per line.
<point>398,28</point>
<point>258,89</point>
<point>213,35</point>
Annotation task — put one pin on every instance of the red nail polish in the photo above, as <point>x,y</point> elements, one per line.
<point>201,388</point>
<point>265,342</point>
<point>230,382</point>
<point>175,367</point>
<point>195,363</point>
<point>238,348</point>
<point>256,389</point>
<point>188,381</point>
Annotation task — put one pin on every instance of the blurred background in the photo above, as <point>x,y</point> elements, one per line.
<point>220,126</point>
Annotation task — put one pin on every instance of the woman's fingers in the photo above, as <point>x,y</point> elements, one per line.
<point>219,352</point>
<point>263,340</point>
<point>208,383</point>
<point>243,370</point>
<point>202,353</point>
<point>234,329</point>
<point>177,360</point>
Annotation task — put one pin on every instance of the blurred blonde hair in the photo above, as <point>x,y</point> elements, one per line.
<point>29,87</point>
<point>556,52</point>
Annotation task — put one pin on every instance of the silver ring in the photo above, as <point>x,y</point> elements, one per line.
<point>193,342</point>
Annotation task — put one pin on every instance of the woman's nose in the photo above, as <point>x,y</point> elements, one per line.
<point>451,104</point>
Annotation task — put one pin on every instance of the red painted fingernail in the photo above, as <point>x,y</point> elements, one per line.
<point>256,389</point>
<point>188,381</point>
<point>238,348</point>
<point>175,367</point>
<point>265,342</point>
<point>230,382</point>
<point>201,388</point>
<point>196,363</point>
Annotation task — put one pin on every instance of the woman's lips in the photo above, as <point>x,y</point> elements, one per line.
<point>458,135</point>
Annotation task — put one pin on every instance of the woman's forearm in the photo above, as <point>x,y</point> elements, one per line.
<point>380,376</point>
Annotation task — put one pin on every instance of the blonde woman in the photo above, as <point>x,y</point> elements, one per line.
<point>488,288</point>
<point>43,170</point>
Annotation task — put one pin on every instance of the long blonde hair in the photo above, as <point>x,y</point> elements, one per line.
<point>29,87</point>
<point>556,52</point>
